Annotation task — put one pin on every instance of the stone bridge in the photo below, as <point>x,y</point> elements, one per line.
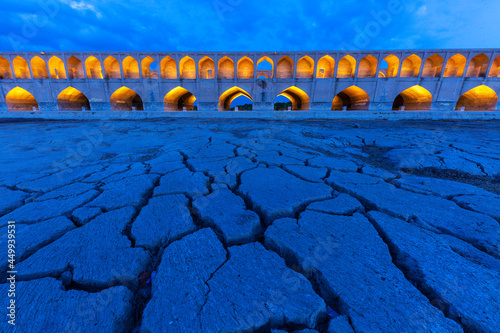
<point>440,80</point>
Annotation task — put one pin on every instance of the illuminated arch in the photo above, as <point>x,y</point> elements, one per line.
<point>125,99</point>
<point>147,72</point>
<point>298,97</point>
<point>21,68</point>
<point>245,68</point>
<point>94,69</point>
<point>346,67</point>
<point>495,68</point>
<point>71,99</point>
<point>353,98</point>
<point>57,69</point>
<point>481,98</point>
<point>411,66</point>
<point>416,98</point>
<point>262,68</point>
<point>19,99</point>
<point>433,66</point>
<point>39,68</point>
<point>5,69</point>
<point>112,68</point>
<point>75,68</point>
<point>187,68</point>
<point>207,68</point>
<point>177,99</point>
<point>226,68</point>
<point>284,69</point>
<point>263,75</point>
<point>305,68</point>
<point>455,67</point>
<point>367,66</point>
<point>229,95</point>
<point>478,66</point>
<point>168,68</point>
<point>392,67</point>
<point>130,68</point>
<point>326,67</point>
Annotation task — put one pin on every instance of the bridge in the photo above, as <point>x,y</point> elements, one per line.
<point>406,80</point>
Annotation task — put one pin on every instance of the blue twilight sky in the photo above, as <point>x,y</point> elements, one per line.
<point>244,25</point>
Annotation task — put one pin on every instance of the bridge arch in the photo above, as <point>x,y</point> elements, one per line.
<point>415,98</point>
<point>367,67</point>
<point>112,68</point>
<point>265,65</point>
<point>433,66</point>
<point>305,68</point>
<point>57,69</point>
<point>179,98</point>
<point>168,68</point>
<point>5,69</point>
<point>495,68</point>
<point>245,68</point>
<point>411,66</point>
<point>207,68</point>
<point>300,100</point>
<point>284,69</point>
<point>125,99</point>
<point>478,66</point>
<point>481,98</point>
<point>353,98</point>
<point>93,67</point>
<point>389,66</point>
<point>455,67</point>
<point>21,68</point>
<point>187,68</point>
<point>326,67</point>
<point>226,68</point>
<point>75,68</point>
<point>19,99</point>
<point>130,68</point>
<point>71,99</point>
<point>229,95</point>
<point>346,67</point>
<point>147,71</point>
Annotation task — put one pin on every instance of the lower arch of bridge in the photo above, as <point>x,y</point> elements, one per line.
<point>481,98</point>
<point>352,98</point>
<point>416,98</point>
<point>19,99</point>
<point>229,96</point>
<point>298,97</point>
<point>71,99</point>
<point>125,99</point>
<point>179,98</point>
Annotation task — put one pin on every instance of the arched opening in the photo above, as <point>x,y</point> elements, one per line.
<point>5,70</point>
<point>352,99</point>
<point>478,66</point>
<point>265,66</point>
<point>433,66</point>
<point>389,66</point>
<point>455,67</point>
<point>229,96</point>
<point>298,97</point>
<point>326,66</point>
<point>179,98</point>
<point>346,67</point>
<point>187,67</point>
<point>245,68</point>
<point>168,68</point>
<point>75,68</point>
<point>112,68</point>
<point>21,68</point>
<point>305,68</point>
<point>207,68</point>
<point>495,68</point>
<point>71,99</point>
<point>19,99</point>
<point>367,66</point>
<point>149,68</point>
<point>125,99</point>
<point>39,68</point>
<point>241,103</point>
<point>263,76</point>
<point>411,66</point>
<point>130,68</point>
<point>481,98</point>
<point>94,69</point>
<point>416,98</point>
<point>57,69</point>
<point>284,69</point>
<point>226,68</point>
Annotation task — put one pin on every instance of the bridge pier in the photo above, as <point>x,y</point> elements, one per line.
<point>100,106</point>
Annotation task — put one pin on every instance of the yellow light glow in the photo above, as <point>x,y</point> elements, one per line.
<point>178,98</point>
<point>19,99</point>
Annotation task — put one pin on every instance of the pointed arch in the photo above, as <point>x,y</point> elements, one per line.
<point>411,66</point>
<point>326,67</point>
<point>305,68</point>
<point>263,65</point>
<point>75,68</point>
<point>352,98</point>
<point>495,68</point>
<point>346,67</point>
<point>130,68</point>
<point>125,99</point>
<point>5,69</point>
<point>168,68</point>
<point>19,99</point>
<point>284,69</point>
<point>71,99</point>
<point>415,98</point>
<point>226,68</point>
<point>229,95</point>
<point>245,68</point>
<point>21,68</point>
<point>262,76</point>
<point>433,66</point>
<point>298,97</point>
<point>367,67</point>
<point>57,69</point>
<point>455,67</point>
<point>94,69</point>
<point>179,98</point>
<point>112,68</point>
<point>39,68</point>
<point>392,63</point>
<point>478,66</point>
<point>207,68</point>
<point>147,72</point>
<point>481,98</point>
<point>187,68</point>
